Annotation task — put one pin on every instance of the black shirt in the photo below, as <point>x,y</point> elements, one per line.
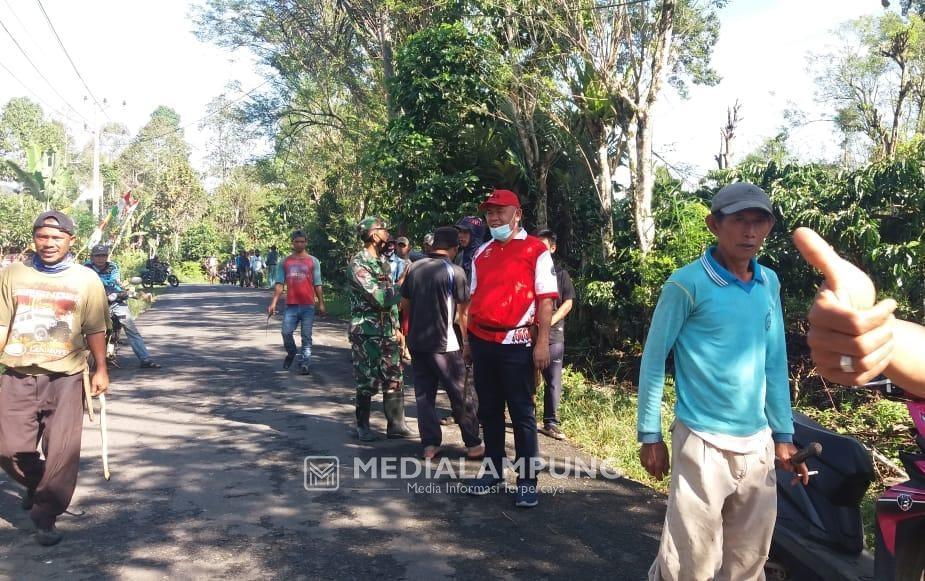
<point>566,292</point>
<point>434,286</point>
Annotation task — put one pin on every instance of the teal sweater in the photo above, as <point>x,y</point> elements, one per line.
<point>729,353</point>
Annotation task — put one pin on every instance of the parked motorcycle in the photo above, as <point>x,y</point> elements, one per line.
<point>819,533</point>
<point>160,274</point>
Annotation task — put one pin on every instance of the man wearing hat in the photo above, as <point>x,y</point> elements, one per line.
<point>471,232</point>
<point>52,311</point>
<point>110,276</point>
<point>375,337</point>
<point>721,316</point>
<point>435,291</point>
<point>513,287</point>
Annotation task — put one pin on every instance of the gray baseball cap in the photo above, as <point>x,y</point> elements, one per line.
<point>741,196</point>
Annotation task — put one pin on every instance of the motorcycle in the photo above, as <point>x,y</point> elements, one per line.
<point>159,274</point>
<point>819,532</point>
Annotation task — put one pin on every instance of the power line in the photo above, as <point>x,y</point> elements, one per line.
<point>34,66</point>
<point>70,60</point>
<point>36,95</point>
<point>204,117</point>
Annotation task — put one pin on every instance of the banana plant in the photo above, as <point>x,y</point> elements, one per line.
<point>31,178</point>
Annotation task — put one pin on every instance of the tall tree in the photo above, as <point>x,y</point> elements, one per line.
<point>619,57</point>
<point>876,80</point>
<point>156,167</point>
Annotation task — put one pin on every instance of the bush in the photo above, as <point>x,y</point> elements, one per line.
<point>190,271</point>
<point>130,262</point>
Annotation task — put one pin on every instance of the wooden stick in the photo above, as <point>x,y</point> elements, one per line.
<point>104,436</point>
<point>87,396</point>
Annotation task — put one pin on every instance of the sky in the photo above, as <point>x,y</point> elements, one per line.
<point>763,58</point>
<point>144,53</point>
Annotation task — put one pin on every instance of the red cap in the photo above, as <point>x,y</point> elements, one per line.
<point>501,198</point>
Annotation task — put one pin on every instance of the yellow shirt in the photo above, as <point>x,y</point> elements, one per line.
<point>48,317</point>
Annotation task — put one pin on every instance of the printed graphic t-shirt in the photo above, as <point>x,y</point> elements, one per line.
<point>301,275</point>
<point>47,317</point>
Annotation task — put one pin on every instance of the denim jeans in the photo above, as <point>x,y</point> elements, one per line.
<point>291,318</point>
<point>131,330</point>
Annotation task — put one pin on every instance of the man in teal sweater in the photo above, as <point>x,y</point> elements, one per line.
<point>721,316</point>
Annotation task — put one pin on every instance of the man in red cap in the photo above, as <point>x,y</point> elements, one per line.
<point>513,286</point>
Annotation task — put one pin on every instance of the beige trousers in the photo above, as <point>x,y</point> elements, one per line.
<point>721,512</point>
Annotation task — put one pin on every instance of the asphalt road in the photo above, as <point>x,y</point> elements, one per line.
<point>208,456</point>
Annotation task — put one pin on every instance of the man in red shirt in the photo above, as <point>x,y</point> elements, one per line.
<point>301,273</point>
<point>513,286</point>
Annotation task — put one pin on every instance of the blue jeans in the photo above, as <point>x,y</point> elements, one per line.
<point>122,311</point>
<point>291,318</point>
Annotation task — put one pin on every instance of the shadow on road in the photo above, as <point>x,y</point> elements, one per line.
<point>207,458</point>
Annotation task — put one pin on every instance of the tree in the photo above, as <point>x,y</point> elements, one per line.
<point>618,57</point>
<point>231,138</point>
<point>441,152</point>
<point>22,126</point>
<point>237,206</point>
<point>727,135</point>
<point>156,167</point>
<point>876,81</point>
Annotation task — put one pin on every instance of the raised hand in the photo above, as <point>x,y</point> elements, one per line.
<point>850,337</point>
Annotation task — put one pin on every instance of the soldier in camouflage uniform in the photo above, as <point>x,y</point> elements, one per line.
<point>375,335</point>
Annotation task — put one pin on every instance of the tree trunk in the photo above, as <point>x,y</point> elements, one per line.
<point>643,184</point>
<point>542,196</point>
<point>388,68</point>
<point>605,189</point>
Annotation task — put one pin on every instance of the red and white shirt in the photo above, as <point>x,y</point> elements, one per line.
<point>507,280</point>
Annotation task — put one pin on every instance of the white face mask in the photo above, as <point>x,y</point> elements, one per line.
<point>502,232</point>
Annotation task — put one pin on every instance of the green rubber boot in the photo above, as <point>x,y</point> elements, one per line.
<point>394,406</point>
<point>364,434</point>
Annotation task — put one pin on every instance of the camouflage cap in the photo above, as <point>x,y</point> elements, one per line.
<point>368,224</point>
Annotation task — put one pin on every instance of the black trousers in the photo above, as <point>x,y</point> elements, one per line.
<point>504,377</point>
<point>448,370</point>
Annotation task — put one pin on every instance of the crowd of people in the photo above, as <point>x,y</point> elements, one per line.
<point>493,311</point>
<point>247,268</point>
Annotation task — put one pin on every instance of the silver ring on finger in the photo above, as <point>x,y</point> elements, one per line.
<point>846,363</point>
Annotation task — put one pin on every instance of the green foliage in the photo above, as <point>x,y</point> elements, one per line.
<point>200,241</point>
<point>439,156</point>
<point>16,215</point>
<point>130,261</point>
<point>189,271</point>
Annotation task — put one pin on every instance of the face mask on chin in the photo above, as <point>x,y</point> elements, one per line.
<point>501,233</point>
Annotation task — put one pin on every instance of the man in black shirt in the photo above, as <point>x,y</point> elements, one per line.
<point>552,375</point>
<point>434,292</point>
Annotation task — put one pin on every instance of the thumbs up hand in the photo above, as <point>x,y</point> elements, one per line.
<point>850,337</point>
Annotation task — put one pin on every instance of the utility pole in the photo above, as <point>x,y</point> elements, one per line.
<point>96,186</point>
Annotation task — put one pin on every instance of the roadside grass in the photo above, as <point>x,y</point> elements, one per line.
<point>140,303</point>
<point>601,419</point>
<point>336,302</point>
